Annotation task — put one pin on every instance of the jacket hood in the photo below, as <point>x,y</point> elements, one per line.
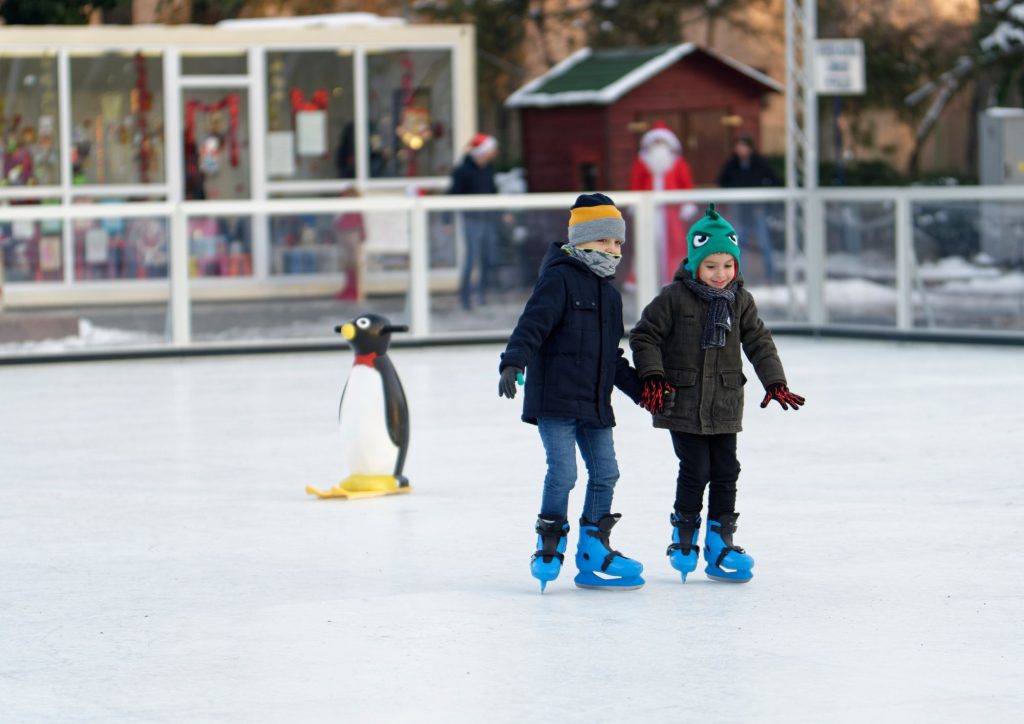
<point>556,255</point>
<point>684,273</point>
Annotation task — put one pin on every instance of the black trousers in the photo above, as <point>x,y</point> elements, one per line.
<point>706,459</point>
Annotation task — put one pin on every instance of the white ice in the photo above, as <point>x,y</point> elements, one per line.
<point>160,562</point>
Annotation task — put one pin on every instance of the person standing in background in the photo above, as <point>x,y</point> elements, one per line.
<point>475,175</point>
<point>660,166</point>
<point>746,168</point>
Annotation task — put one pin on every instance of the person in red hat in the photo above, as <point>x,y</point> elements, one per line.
<point>475,175</point>
<point>660,166</point>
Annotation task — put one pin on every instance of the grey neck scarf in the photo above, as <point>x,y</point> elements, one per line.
<point>601,263</point>
<point>720,304</point>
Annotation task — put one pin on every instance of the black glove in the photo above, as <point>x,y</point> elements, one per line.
<point>658,395</point>
<point>782,395</point>
<point>507,384</point>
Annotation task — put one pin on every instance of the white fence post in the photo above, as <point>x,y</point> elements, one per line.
<point>419,271</point>
<point>645,260</point>
<point>180,303</point>
<point>814,250</point>
<point>904,240</point>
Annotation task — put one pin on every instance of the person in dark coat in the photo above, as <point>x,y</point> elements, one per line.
<point>687,352</point>
<point>475,175</point>
<point>746,168</point>
<point>567,340</point>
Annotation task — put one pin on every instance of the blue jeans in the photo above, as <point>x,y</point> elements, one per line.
<point>481,249</point>
<point>560,436</point>
<point>750,221</point>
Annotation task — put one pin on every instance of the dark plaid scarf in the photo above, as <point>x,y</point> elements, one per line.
<point>720,307</point>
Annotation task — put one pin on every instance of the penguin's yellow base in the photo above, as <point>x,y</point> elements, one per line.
<point>362,486</point>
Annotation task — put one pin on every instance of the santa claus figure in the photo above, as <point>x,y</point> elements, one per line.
<point>660,166</point>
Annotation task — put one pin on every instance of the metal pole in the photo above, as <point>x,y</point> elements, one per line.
<point>792,129</point>
<point>814,218</point>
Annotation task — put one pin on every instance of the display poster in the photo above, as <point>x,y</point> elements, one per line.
<point>281,154</point>
<point>311,128</point>
<point>96,243</point>
<point>49,254</point>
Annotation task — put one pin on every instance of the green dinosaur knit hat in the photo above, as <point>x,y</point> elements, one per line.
<point>712,234</point>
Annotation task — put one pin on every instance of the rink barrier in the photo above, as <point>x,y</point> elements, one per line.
<point>808,241</point>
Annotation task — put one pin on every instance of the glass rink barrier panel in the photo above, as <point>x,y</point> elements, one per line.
<point>967,270</point>
<point>120,248</point>
<point>860,263</point>
<point>321,270</point>
<point>484,264</point>
<point>91,283</point>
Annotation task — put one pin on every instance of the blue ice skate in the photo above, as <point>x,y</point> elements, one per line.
<point>684,552</point>
<point>600,566</point>
<point>725,561</point>
<point>546,563</point>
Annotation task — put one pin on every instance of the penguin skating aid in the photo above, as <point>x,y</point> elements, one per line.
<point>373,416</point>
<point>601,567</point>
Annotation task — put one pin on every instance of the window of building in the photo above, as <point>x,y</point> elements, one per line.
<point>29,121</point>
<point>117,131</point>
<point>410,113</point>
<point>310,115</point>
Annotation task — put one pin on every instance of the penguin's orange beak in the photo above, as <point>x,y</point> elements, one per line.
<point>348,331</point>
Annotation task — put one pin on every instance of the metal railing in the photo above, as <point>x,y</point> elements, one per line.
<point>807,255</point>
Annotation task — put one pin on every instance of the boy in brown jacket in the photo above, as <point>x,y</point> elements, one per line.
<point>686,348</point>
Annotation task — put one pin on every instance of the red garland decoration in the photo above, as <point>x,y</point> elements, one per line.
<point>231,103</point>
<point>145,103</point>
<point>317,103</point>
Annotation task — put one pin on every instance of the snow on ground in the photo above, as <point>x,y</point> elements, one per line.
<point>161,563</point>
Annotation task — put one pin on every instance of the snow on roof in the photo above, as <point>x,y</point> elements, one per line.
<point>330,20</point>
<point>604,76</point>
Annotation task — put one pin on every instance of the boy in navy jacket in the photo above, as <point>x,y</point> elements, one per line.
<point>567,339</point>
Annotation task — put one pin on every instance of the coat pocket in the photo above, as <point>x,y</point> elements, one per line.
<point>584,313</point>
<point>729,396</point>
<point>687,394</point>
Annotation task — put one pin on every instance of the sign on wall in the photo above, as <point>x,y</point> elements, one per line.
<point>839,67</point>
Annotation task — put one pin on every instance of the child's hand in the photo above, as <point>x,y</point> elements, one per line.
<point>507,384</point>
<point>655,394</point>
<point>784,397</point>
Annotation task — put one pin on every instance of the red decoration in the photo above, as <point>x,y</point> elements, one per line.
<point>231,103</point>
<point>145,100</point>
<point>317,103</point>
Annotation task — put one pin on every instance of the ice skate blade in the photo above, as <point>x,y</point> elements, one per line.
<point>337,492</point>
<point>595,582</point>
<point>727,577</point>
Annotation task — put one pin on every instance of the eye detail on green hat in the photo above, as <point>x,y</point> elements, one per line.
<point>700,240</point>
<point>733,239</point>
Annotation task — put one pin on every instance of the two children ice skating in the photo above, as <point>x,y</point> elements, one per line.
<point>686,348</point>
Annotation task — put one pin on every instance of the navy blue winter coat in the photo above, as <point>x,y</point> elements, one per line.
<point>469,178</point>
<point>567,340</point>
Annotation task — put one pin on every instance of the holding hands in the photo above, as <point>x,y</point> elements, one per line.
<point>657,394</point>
<point>783,396</point>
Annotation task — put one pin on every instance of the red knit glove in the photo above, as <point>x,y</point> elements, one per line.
<point>783,396</point>
<point>654,394</point>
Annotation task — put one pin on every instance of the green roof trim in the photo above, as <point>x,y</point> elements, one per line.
<point>601,69</point>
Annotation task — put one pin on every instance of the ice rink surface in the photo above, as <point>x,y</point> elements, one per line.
<point>160,562</point>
